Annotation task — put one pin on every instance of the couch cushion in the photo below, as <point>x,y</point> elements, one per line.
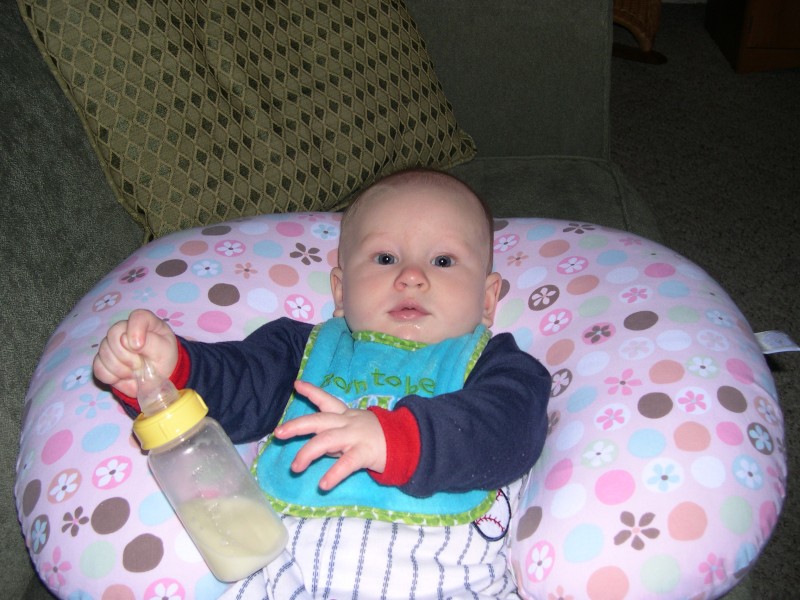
<point>208,111</point>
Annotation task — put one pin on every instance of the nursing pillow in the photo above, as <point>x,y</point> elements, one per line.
<point>662,476</point>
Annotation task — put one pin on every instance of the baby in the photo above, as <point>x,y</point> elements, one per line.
<point>397,425</point>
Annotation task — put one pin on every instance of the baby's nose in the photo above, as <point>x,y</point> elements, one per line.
<point>412,276</point>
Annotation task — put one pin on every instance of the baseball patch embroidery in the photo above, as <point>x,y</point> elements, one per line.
<point>493,526</point>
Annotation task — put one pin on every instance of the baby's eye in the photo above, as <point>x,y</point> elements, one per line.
<point>443,261</point>
<point>384,258</point>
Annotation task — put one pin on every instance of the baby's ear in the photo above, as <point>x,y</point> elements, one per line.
<point>494,282</point>
<point>337,289</point>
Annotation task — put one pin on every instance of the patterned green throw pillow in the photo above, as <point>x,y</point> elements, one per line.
<point>210,110</point>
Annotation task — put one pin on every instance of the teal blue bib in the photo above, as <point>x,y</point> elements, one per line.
<point>366,369</point>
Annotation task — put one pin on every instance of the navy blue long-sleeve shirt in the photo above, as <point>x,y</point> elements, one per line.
<point>484,436</point>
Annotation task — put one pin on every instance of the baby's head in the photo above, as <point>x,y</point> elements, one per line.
<point>415,258</point>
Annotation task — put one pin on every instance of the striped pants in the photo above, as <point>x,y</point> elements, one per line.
<point>347,558</point>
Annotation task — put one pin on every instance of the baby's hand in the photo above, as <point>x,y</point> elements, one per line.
<point>143,335</point>
<point>354,436</point>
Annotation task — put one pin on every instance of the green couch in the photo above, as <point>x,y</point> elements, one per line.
<point>529,81</point>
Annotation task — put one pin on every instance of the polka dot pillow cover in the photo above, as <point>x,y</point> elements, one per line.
<point>664,469</point>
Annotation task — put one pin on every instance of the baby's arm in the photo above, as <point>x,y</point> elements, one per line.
<point>488,434</point>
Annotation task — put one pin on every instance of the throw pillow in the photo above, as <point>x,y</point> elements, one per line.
<point>208,111</point>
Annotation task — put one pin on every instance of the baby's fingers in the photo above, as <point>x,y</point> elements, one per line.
<point>327,444</point>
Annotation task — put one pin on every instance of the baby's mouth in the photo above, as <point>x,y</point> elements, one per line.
<point>408,311</point>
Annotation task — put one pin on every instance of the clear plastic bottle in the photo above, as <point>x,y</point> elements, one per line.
<point>205,480</point>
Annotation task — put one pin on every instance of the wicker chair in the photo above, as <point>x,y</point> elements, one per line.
<point>641,18</point>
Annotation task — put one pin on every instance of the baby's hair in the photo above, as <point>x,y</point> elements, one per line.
<point>425,176</point>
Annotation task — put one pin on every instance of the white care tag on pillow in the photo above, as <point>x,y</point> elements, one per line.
<point>776,341</point>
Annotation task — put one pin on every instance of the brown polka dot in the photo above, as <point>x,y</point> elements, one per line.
<point>666,371</point>
<point>30,496</point>
<point>193,247</point>
<point>639,321</point>
<point>223,294</point>
<point>582,285</point>
<point>505,287</point>
<point>692,437</point>
<point>559,352</point>
<point>217,230</point>
<point>760,438</point>
<point>529,523</point>
<point>732,399</point>
<point>543,297</point>
<point>110,515</point>
<point>118,591</point>
<point>143,553</point>
<point>655,405</point>
<point>500,224</point>
<point>42,523</point>
<point>562,379</point>
<point>554,248</point>
<point>172,268</point>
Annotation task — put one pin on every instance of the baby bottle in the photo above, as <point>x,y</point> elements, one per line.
<point>205,480</point>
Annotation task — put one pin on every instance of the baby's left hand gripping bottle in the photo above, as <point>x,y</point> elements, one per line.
<point>205,480</point>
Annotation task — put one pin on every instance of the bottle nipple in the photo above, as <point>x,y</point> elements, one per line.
<point>154,392</point>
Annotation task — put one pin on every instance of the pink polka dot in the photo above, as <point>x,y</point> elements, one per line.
<point>284,275</point>
<point>740,370</point>
<point>687,521</point>
<point>659,270</point>
<point>290,229</point>
<point>559,475</point>
<point>56,446</point>
<point>607,583</point>
<point>157,587</point>
<point>214,321</point>
<point>730,433</point>
<point>333,257</point>
<point>768,516</point>
<point>614,487</point>
<point>193,247</point>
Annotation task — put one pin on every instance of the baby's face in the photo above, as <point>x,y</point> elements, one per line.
<point>413,263</point>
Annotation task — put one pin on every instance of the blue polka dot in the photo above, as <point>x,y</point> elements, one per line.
<point>673,289</point>
<point>103,285</point>
<point>155,509</point>
<point>183,292</point>
<point>326,312</point>
<point>56,358</point>
<point>748,473</point>
<point>646,443</point>
<point>581,398</point>
<point>610,258</point>
<point>745,556</point>
<point>209,587</point>
<point>541,232</point>
<point>100,438</point>
<point>160,250</point>
<point>583,543</point>
<point>268,249</point>
<point>523,336</point>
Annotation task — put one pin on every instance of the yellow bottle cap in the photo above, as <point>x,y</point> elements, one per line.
<point>175,420</point>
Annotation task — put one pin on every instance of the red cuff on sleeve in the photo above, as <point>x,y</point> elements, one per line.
<point>401,432</point>
<point>179,378</point>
